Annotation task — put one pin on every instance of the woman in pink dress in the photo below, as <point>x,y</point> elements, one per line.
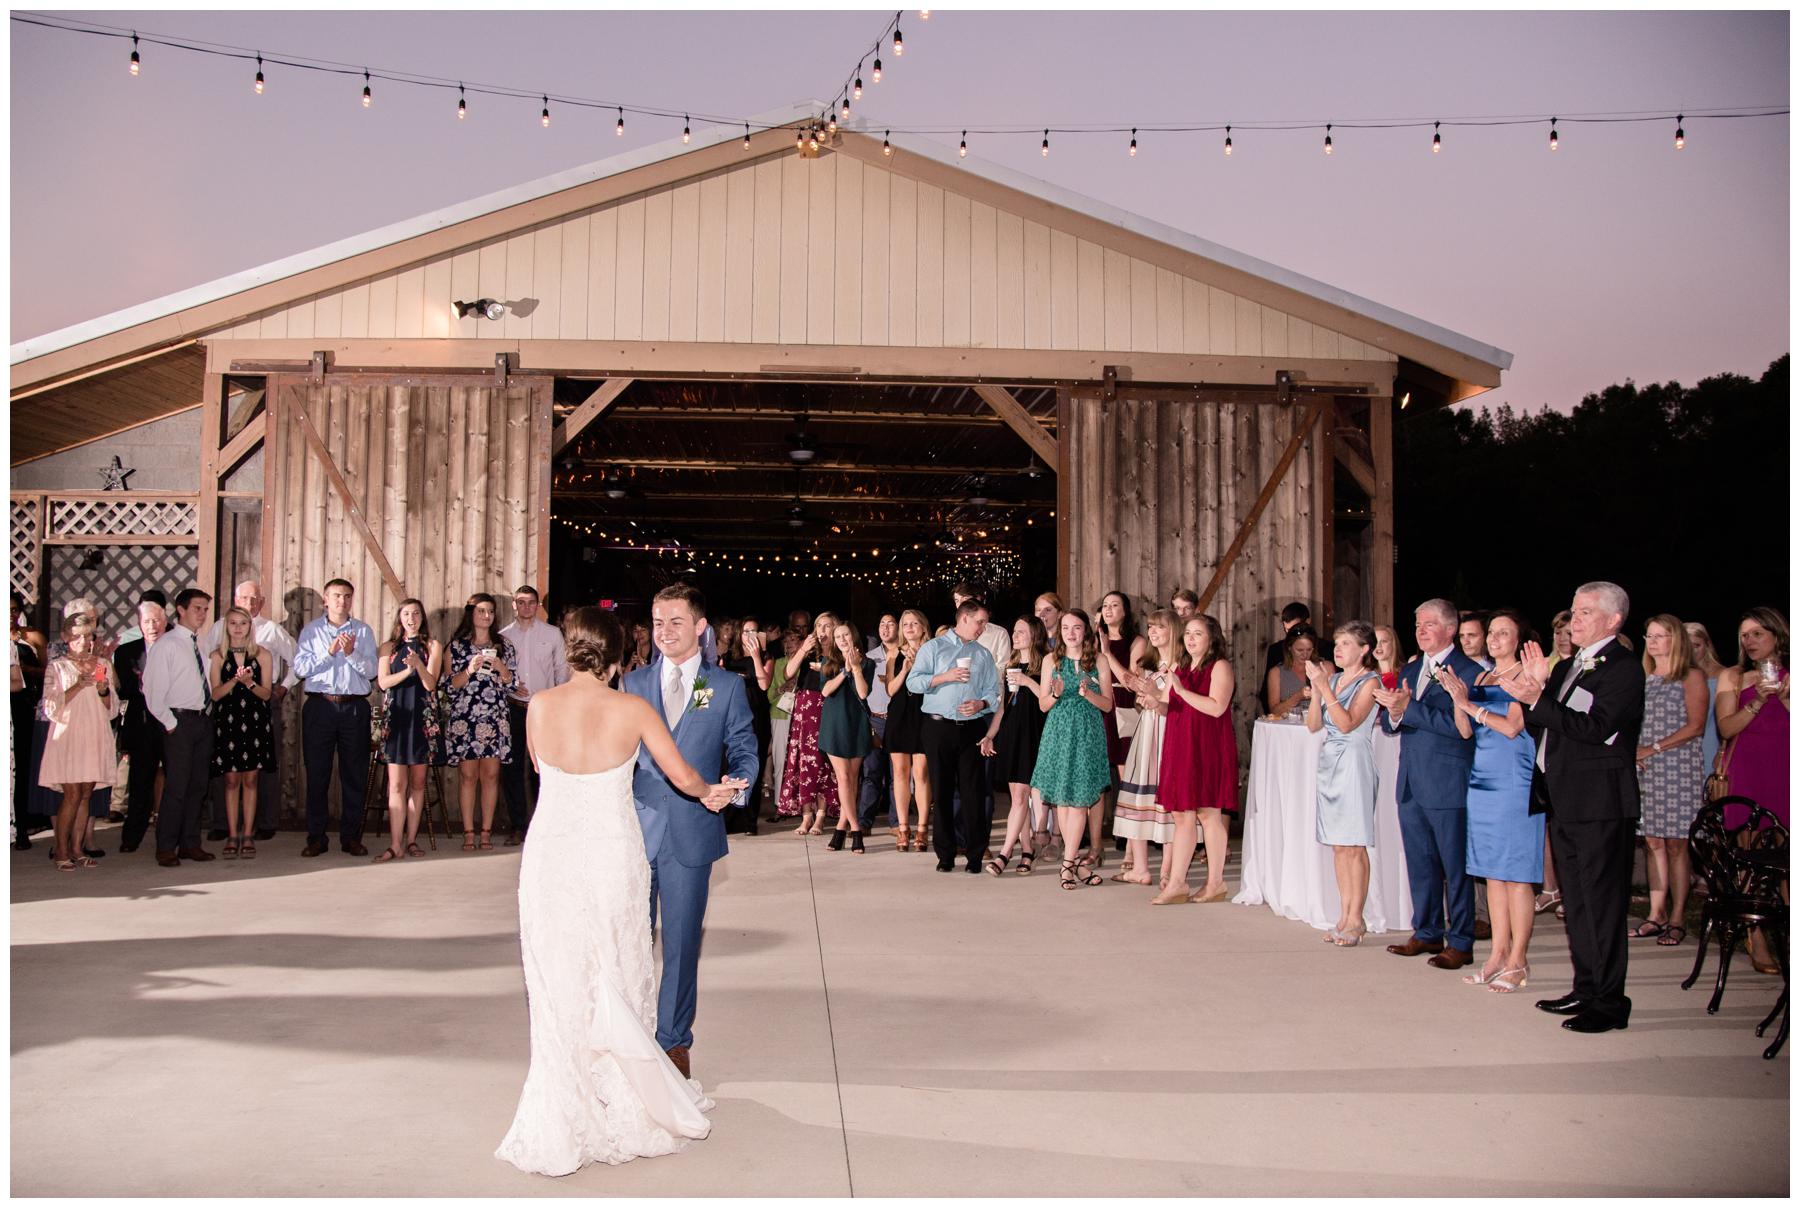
<point>80,699</point>
<point>1753,727</point>
<point>1199,774</point>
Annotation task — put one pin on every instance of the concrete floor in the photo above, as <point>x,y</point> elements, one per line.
<point>867,1026</point>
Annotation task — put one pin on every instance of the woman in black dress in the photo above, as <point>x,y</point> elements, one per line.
<point>905,729</point>
<point>1016,745</point>
<point>410,662</point>
<point>27,689</point>
<point>845,737</point>
<point>240,674</point>
<point>749,659</point>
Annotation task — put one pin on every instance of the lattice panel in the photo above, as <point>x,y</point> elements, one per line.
<point>27,548</point>
<point>130,517</point>
<point>124,573</point>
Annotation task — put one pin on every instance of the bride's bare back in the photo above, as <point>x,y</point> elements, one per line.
<point>583,727</point>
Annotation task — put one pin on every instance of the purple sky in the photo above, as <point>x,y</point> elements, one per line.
<point>1615,257</point>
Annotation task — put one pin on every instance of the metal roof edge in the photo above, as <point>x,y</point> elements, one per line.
<point>398,232</point>
<point>1150,229</point>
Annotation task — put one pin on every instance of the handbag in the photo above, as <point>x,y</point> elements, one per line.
<point>1718,784</point>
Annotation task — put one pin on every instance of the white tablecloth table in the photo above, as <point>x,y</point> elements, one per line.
<point>1284,865</point>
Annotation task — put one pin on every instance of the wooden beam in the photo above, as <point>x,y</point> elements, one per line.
<point>1020,421</point>
<point>1360,470</point>
<point>543,478</point>
<point>720,466</point>
<point>206,505</point>
<point>806,363</point>
<point>1262,501</point>
<point>126,539</point>
<point>590,410</point>
<point>1381,550</point>
<point>1064,494</point>
<point>241,445</point>
<point>273,486</point>
<point>342,488</point>
<point>1325,511</point>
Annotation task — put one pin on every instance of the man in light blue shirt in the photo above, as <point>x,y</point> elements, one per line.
<point>335,659</point>
<point>959,688</point>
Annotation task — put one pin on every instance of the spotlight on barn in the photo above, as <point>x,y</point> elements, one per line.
<point>481,308</point>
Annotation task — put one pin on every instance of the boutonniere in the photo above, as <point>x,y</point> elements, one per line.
<point>702,694</point>
<point>1589,662</point>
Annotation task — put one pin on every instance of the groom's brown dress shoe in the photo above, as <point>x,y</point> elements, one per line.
<point>1414,945</point>
<point>679,1055</point>
<point>1451,958</point>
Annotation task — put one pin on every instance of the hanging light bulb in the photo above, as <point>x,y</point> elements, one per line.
<point>620,128</point>
<point>746,136</point>
<point>368,96</point>
<point>1328,138</point>
<point>899,43</point>
<point>545,118</point>
<point>846,106</point>
<point>1680,134</point>
<point>964,149</point>
<point>857,91</point>
<point>1134,142</point>
<point>877,72</point>
<point>885,148</point>
<point>924,14</point>
<point>259,76</point>
<point>687,135</point>
<point>1046,147</point>
<point>1437,142</point>
<point>135,61</point>
<point>799,140</point>
<point>1228,140</point>
<point>462,103</point>
<point>812,141</point>
<point>1553,134</point>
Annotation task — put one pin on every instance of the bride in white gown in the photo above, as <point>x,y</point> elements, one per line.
<point>599,1088</point>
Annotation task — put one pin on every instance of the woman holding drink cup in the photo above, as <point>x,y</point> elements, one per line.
<point>905,737</point>
<point>1016,745</point>
<point>80,701</point>
<point>479,738</point>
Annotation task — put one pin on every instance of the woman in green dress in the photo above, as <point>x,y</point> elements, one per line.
<point>844,733</point>
<point>1072,767</point>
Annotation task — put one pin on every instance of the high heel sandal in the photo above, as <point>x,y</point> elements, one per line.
<point>1509,980</point>
<point>230,850</point>
<point>1025,859</point>
<point>247,849</point>
<point>1482,978</point>
<point>486,843</point>
<point>1069,880</point>
<point>1349,939</point>
<point>856,843</point>
<point>899,838</point>
<point>837,840</point>
<point>996,865</point>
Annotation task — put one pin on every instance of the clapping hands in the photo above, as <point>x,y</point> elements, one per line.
<point>1394,700</point>
<point>1534,673</point>
<point>1317,676</point>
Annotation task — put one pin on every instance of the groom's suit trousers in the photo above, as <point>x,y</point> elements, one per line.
<point>678,892</point>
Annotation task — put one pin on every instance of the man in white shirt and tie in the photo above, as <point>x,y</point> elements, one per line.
<point>177,696</point>
<point>543,664</point>
<point>248,595</point>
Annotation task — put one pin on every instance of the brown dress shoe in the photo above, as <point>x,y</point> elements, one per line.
<point>169,859</point>
<point>198,855</point>
<point>353,849</point>
<point>514,838</point>
<point>1414,945</point>
<point>314,849</point>
<point>1451,958</point>
<point>1483,930</point>
<point>679,1056</point>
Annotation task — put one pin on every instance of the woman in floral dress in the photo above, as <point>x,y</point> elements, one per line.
<point>479,740</point>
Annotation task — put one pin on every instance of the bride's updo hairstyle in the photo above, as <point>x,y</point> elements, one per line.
<point>594,640</point>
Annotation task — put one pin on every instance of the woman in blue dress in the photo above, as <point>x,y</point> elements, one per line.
<point>1344,707</point>
<point>1506,840</point>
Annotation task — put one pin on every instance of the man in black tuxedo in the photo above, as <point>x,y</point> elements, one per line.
<point>1586,715</point>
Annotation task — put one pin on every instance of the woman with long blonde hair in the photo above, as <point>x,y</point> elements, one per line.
<point>240,675</point>
<point>1141,819</point>
<point>1671,773</point>
<point>905,738</point>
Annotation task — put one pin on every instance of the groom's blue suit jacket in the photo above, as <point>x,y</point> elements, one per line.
<point>716,741</point>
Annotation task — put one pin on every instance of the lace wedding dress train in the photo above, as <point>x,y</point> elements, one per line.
<point>599,1088</point>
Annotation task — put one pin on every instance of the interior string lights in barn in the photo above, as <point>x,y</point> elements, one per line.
<point>869,70</point>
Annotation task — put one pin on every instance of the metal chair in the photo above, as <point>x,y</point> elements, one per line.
<point>375,791</point>
<point>1744,864</point>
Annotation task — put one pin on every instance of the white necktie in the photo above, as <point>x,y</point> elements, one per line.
<point>673,703</point>
<point>1425,670</point>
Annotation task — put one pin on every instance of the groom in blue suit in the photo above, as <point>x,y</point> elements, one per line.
<point>1433,789</point>
<point>709,716</point>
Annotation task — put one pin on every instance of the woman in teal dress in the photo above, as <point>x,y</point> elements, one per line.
<point>1072,767</point>
<point>1506,840</point>
<point>1344,707</point>
<point>844,734</point>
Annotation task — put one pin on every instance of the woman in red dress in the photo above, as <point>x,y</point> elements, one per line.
<point>1199,775</point>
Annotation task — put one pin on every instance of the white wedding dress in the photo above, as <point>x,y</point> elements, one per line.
<point>599,1088</point>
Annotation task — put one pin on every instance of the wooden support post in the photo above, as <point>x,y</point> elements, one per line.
<point>1262,501</point>
<point>206,505</point>
<point>274,486</point>
<point>592,409</point>
<point>1065,578</point>
<point>1325,508</point>
<point>350,505</point>
<point>1381,552</point>
<point>542,478</point>
<point>1020,421</point>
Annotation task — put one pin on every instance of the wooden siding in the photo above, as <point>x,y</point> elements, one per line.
<point>793,251</point>
<point>1153,493</point>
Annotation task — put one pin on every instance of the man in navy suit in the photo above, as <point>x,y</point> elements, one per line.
<point>709,716</point>
<point>1433,791</point>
